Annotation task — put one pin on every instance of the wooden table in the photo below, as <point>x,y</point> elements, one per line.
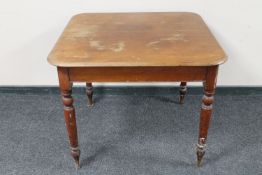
<point>137,47</point>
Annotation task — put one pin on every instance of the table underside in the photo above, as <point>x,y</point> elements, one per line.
<point>68,75</point>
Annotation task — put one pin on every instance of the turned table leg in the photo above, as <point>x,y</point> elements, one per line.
<point>89,93</point>
<point>206,111</point>
<point>182,92</point>
<point>69,113</point>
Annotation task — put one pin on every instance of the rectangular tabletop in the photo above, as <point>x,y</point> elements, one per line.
<point>136,39</point>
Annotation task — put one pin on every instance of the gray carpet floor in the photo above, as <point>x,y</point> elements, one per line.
<point>129,135</point>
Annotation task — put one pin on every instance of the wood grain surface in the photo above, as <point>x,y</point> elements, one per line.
<point>136,39</point>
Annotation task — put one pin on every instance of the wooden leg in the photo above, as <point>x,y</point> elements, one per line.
<point>206,111</point>
<point>89,93</point>
<point>182,92</point>
<point>69,113</point>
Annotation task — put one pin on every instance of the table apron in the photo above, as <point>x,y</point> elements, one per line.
<point>137,74</point>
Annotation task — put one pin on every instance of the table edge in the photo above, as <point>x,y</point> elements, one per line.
<point>54,63</point>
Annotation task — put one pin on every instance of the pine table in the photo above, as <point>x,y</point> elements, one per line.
<point>137,47</point>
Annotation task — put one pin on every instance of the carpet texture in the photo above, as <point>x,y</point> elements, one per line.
<point>129,135</point>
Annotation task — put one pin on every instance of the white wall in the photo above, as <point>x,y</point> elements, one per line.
<point>29,29</point>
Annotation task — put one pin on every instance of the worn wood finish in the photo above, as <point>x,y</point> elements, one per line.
<point>137,47</point>
<point>136,74</point>
<point>206,110</point>
<point>136,39</point>
<point>69,113</point>
<point>89,93</point>
<point>182,92</point>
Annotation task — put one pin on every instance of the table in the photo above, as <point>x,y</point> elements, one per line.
<point>137,47</point>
